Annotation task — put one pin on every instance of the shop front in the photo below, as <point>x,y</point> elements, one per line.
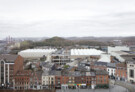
<point>72,86</point>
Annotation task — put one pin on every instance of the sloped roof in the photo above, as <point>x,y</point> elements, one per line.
<point>121,65</point>
<point>130,57</point>
<point>101,72</point>
<point>111,65</point>
<point>100,63</point>
<point>105,58</point>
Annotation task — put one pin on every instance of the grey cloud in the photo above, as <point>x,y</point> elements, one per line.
<point>67,18</point>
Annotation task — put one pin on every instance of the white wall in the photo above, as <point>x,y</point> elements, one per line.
<point>118,48</point>
<point>35,53</point>
<point>129,67</point>
<point>111,71</point>
<point>46,80</point>
<point>105,58</point>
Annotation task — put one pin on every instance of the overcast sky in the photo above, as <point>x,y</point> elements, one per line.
<point>47,18</point>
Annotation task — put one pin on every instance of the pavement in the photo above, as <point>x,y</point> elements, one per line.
<point>113,88</point>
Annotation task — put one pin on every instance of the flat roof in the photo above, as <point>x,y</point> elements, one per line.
<point>86,52</point>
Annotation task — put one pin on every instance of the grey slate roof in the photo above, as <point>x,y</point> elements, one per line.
<point>129,58</point>
<point>101,72</point>
<point>100,63</point>
<point>54,72</point>
<point>111,65</point>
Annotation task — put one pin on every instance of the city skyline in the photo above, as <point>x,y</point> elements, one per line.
<point>64,18</point>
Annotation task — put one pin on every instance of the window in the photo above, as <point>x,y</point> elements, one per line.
<point>104,79</point>
<point>131,72</point>
<point>131,65</point>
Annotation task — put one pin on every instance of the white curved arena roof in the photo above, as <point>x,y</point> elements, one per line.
<point>35,53</point>
<point>86,52</point>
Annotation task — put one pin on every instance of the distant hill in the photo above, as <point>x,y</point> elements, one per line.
<point>58,41</point>
<point>105,39</point>
<point>89,38</point>
<point>55,41</point>
<point>72,41</point>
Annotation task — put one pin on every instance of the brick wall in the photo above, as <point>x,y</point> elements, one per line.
<point>18,66</point>
<point>102,79</point>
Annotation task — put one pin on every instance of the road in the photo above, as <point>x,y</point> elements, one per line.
<point>112,89</point>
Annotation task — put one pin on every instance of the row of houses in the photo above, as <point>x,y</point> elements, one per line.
<point>87,70</point>
<point>123,71</point>
<point>46,75</point>
<point>13,75</point>
<point>115,71</point>
<point>75,79</point>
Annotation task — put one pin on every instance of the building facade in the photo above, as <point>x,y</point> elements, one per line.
<point>22,80</point>
<point>7,69</point>
<point>111,69</point>
<point>121,71</point>
<point>102,77</point>
<point>48,81</point>
<point>131,72</point>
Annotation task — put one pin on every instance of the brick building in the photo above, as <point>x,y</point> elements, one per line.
<point>36,80</point>
<point>18,66</point>
<point>101,77</point>
<point>90,79</point>
<point>7,69</point>
<point>121,71</point>
<point>22,80</point>
<point>99,66</point>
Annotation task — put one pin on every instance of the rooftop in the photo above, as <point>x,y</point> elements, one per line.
<point>101,72</point>
<point>121,65</point>
<point>100,63</point>
<point>130,57</point>
<point>34,53</point>
<point>111,65</point>
<point>86,52</point>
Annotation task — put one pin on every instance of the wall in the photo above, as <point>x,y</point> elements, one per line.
<point>102,79</point>
<point>27,90</point>
<point>118,48</point>
<point>111,71</point>
<point>130,67</point>
<point>18,66</point>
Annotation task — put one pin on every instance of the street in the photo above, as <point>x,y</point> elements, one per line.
<point>112,89</point>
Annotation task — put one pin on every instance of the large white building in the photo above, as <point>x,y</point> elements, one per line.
<point>35,53</point>
<point>81,53</point>
<point>118,48</point>
<point>86,52</point>
<point>118,55</point>
<point>118,51</point>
